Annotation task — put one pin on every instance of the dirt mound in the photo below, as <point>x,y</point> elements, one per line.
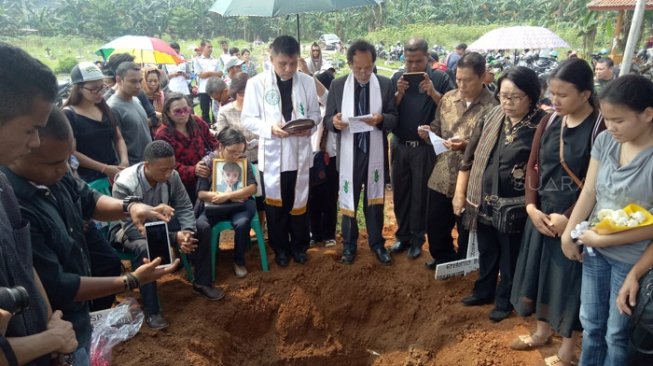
<point>327,313</point>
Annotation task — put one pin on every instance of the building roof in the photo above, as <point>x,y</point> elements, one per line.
<point>603,5</point>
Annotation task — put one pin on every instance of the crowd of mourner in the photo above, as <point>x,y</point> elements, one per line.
<point>521,163</point>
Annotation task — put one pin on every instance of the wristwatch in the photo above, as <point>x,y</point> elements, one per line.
<point>128,201</point>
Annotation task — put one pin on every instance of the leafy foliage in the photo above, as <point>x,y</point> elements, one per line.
<point>391,20</point>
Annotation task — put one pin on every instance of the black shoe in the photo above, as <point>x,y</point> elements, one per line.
<point>300,258</point>
<point>475,301</point>
<point>431,264</point>
<point>208,292</point>
<point>282,259</point>
<point>156,321</point>
<point>498,315</point>
<point>414,251</point>
<point>383,256</point>
<point>348,256</point>
<point>399,247</point>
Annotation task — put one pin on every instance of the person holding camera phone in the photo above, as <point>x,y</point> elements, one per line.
<point>157,182</point>
<point>418,94</point>
<point>26,98</point>
<point>56,205</point>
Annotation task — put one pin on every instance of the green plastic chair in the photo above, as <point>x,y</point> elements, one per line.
<point>101,185</point>
<point>226,225</point>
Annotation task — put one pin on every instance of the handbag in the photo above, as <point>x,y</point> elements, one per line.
<point>223,210</point>
<point>641,321</point>
<point>506,215</point>
<point>317,172</point>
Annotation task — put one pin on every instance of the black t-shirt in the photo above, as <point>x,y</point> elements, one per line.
<point>418,108</point>
<point>95,140</point>
<point>285,89</point>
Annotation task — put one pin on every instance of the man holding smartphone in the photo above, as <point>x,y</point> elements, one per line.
<point>56,204</point>
<point>157,182</point>
<point>418,94</point>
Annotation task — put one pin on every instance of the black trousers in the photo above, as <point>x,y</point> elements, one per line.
<point>440,221</point>
<point>323,205</point>
<point>497,254</point>
<point>287,233</point>
<point>104,263</point>
<point>205,106</point>
<point>373,213</point>
<point>411,167</point>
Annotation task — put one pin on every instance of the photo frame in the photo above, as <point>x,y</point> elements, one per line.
<point>229,176</point>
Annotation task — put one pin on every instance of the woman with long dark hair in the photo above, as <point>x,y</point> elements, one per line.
<point>100,147</point>
<point>547,284</point>
<point>190,136</point>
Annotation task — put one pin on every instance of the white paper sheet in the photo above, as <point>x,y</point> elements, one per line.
<point>438,143</point>
<point>356,124</point>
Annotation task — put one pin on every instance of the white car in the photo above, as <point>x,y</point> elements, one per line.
<point>328,41</point>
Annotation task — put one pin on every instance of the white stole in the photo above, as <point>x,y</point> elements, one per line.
<point>375,174</point>
<point>272,147</point>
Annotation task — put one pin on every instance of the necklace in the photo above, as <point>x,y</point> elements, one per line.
<point>511,131</point>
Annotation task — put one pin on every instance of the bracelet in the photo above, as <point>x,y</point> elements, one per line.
<point>104,168</point>
<point>8,351</point>
<point>125,283</point>
<point>132,281</point>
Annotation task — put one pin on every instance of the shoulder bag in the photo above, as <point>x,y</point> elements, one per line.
<point>641,322</point>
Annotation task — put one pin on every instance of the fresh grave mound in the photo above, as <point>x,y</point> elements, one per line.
<point>326,313</point>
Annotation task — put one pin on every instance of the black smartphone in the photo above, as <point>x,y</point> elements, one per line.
<point>413,79</point>
<point>158,242</point>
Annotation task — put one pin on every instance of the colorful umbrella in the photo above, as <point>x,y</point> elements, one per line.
<point>146,50</point>
<point>518,38</point>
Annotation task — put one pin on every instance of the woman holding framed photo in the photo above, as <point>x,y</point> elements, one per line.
<point>227,193</point>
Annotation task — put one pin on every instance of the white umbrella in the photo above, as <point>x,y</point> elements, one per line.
<point>518,38</point>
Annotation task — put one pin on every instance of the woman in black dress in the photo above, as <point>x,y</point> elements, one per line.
<point>494,165</point>
<point>100,147</point>
<point>547,283</point>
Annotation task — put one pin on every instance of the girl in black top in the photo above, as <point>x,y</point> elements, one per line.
<point>100,147</point>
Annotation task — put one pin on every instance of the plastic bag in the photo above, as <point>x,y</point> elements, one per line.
<point>118,325</point>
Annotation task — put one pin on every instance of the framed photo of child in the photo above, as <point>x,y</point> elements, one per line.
<point>229,176</point>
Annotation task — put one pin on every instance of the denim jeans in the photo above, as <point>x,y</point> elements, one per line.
<point>605,330</point>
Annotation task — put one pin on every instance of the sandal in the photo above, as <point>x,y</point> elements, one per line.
<point>557,361</point>
<point>529,342</point>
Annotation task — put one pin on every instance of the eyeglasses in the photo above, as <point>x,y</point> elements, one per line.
<point>96,90</point>
<point>232,152</point>
<point>511,98</point>
<point>181,111</point>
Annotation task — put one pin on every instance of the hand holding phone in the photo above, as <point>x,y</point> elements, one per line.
<point>158,243</point>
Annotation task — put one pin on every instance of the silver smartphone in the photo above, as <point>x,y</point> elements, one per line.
<point>158,243</point>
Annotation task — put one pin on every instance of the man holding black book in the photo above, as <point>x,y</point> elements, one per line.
<point>272,100</point>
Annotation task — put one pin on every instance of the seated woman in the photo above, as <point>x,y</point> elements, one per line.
<point>191,138</point>
<point>231,148</point>
<point>100,147</point>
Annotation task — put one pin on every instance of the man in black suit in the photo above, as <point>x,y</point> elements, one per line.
<point>361,155</point>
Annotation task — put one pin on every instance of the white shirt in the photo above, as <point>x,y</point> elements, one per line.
<point>178,84</point>
<point>203,64</point>
<point>252,118</point>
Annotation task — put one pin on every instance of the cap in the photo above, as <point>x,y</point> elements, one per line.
<point>85,71</point>
<point>233,61</point>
